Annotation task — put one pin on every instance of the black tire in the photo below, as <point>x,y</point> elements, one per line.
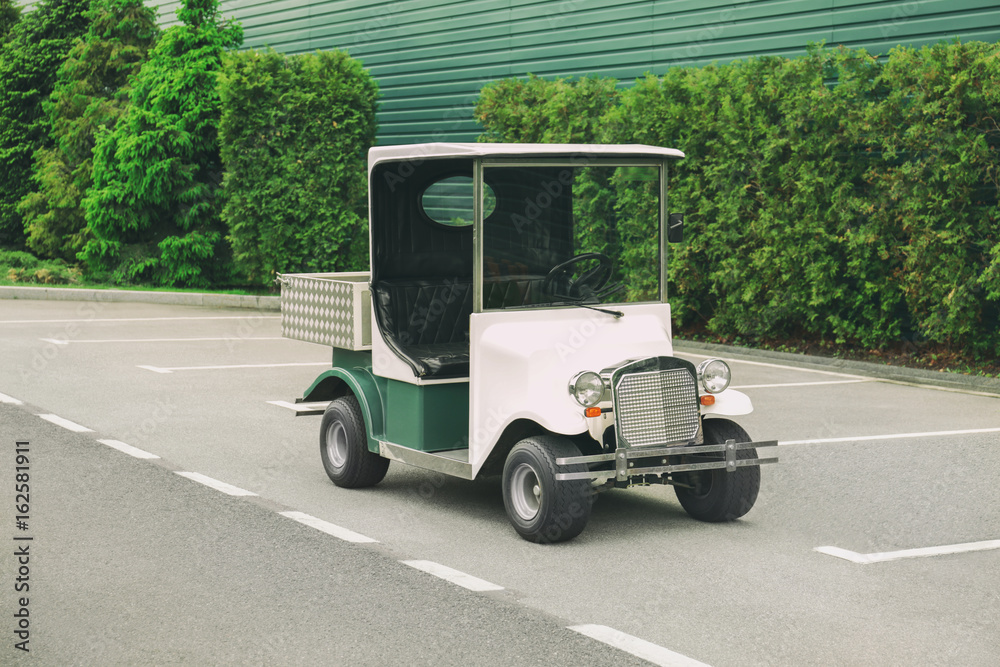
<point>343,446</point>
<point>540,508</point>
<point>718,495</point>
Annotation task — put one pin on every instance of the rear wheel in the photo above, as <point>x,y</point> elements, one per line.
<point>541,508</point>
<point>343,446</point>
<point>717,495</point>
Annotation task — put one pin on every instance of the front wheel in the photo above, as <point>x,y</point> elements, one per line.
<point>541,508</point>
<point>343,446</point>
<point>717,495</point>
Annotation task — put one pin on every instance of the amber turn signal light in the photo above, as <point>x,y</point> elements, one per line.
<point>708,399</point>
<point>592,412</point>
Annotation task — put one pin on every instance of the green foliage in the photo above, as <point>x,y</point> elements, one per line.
<point>154,207</point>
<point>295,133</point>
<point>829,196</point>
<point>90,95</point>
<point>538,110</point>
<point>933,193</point>
<point>29,59</point>
<point>10,14</point>
<point>21,267</point>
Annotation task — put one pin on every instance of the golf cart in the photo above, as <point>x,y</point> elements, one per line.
<point>515,322</point>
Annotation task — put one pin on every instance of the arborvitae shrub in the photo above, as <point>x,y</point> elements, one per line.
<point>90,95</point>
<point>831,197</point>
<point>295,135</point>
<point>31,55</point>
<point>154,206</point>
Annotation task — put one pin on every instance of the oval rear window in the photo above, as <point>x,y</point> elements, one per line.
<point>449,201</point>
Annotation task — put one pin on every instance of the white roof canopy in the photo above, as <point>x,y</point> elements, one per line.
<point>440,150</point>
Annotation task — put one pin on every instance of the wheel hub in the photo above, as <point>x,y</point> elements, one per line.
<point>336,444</point>
<point>525,492</point>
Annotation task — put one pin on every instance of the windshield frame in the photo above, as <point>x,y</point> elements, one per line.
<point>570,161</point>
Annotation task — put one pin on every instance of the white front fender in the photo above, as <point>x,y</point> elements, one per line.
<point>730,403</point>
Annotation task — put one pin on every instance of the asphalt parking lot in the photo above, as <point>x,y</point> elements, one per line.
<point>875,540</point>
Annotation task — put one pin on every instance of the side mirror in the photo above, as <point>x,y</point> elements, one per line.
<point>675,228</point>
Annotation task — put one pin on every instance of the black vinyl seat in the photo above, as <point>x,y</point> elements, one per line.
<point>426,321</point>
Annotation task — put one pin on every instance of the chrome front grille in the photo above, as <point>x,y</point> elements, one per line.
<point>656,407</point>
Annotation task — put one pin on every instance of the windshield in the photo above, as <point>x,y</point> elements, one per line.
<point>571,234</point>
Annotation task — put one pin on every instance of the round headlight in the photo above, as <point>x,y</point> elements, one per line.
<point>587,388</point>
<point>715,375</point>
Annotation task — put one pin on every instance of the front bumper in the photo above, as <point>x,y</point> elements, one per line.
<point>630,462</point>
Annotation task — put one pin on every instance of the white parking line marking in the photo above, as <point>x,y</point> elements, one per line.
<point>801,384</point>
<point>924,552</point>
<point>4,398</point>
<point>56,341</point>
<point>157,369</point>
<point>454,576</point>
<point>65,423</point>
<point>640,648</point>
<point>128,449</point>
<point>216,484</point>
<point>327,527</point>
<point>891,436</point>
<point>144,319</point>
<point>762,363</point>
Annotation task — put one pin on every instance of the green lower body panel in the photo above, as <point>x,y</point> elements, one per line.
<point>428,418</point>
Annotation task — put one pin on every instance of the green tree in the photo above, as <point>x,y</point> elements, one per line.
<point>154,207</point>
<point>295,132</point>
<point>10,14</point>
<point>537,110</point>
<point>29,59</point>
<point>90,94</point>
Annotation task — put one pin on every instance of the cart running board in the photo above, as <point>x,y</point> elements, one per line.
<point>302,408</point>
<point>452,462</point>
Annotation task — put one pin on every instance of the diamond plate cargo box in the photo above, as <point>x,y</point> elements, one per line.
<point>327,308</point>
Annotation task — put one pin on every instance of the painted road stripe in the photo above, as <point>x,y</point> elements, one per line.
<point>56,341</point>
<point>128,449</point>
<point>801,384</point>
<point>65,423</point>
<point>454,576</point>
<point>155,369</point>
<point>158,369</point>
<point>865,559</point>
<point>4,398</point>
<point>327,527</point>
<point>216,484</point>
<point>763,363</point>
<point>891,436</point>
<point>145,319</point>
<point>638,647</point>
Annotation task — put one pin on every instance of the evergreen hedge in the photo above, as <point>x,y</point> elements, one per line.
<point>154,207</point>
<point>30,56</point>
<point>833,197</point>
<point>295,132</point>
<point>89,97</point>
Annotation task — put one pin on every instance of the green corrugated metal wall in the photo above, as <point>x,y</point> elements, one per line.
<point>431,57</point>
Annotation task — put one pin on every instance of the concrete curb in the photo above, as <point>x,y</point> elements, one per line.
<point>946,380</point>
<point>266,303</point>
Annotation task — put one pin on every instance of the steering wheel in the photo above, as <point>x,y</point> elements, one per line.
<point>585,286</point>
